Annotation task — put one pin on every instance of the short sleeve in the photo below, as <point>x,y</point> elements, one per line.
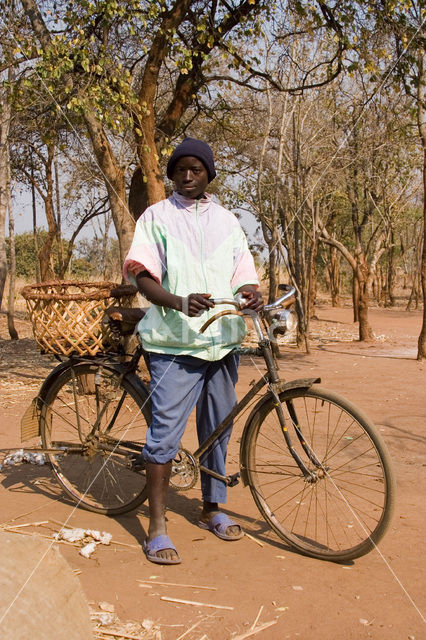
<point>147,252</point>
<point>244,267</point>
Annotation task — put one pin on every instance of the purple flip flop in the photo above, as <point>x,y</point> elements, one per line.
<point>150,548</point>
<point>219,524</point>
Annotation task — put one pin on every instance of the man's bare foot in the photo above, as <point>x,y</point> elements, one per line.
<point>219,523</point>
<point>164,553</point>
<point>161,550</point>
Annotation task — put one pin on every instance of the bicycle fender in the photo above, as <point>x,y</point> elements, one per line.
<point>300,383</point>
<point>49,379</point>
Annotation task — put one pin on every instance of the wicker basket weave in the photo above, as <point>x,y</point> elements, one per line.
<point>67,315</point>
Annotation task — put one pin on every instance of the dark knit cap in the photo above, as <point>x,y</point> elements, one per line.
<point>197,149</point>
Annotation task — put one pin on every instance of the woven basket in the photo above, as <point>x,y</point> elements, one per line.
<point>67,316</point>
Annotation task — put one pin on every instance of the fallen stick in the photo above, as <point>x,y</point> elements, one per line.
<point>185,633</point>
<point>116,634</point>
<point>197,604</point>
<point>61,524</point>
<point>257,630</point>
<point>254,540</point>
<point>176,584</point>
<point>257,619</point>
<point>40,535</point>
<point>27,524</point>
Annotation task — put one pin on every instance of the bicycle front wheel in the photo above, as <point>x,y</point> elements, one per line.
<point>94,422</point>
<point>340,507</point>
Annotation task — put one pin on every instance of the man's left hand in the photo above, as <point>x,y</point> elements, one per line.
<point>254,300</point>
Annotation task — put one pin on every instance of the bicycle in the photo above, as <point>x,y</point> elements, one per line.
<point>317,468</point>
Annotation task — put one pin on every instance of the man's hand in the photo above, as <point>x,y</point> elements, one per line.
<point>196,304</point>
<point>253,298</point>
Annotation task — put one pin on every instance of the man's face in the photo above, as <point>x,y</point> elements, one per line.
<point>190,177</point>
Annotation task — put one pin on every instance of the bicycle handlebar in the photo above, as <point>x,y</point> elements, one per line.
<point>284,301</point>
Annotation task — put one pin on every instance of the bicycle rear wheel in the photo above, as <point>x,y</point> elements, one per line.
<point>343,508</point>
<point>96,421</point>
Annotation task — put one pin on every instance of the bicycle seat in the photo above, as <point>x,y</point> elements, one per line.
<point>122,320</point>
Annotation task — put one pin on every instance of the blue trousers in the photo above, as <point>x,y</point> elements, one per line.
<point>178,384</point>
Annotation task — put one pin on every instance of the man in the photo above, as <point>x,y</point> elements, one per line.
<point>183,244</point>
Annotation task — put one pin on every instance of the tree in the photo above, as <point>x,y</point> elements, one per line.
<point>154,65</point>
<point>405,22</point>
<point>110,76</point>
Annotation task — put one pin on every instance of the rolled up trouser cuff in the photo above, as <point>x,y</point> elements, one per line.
<point>157,459</point>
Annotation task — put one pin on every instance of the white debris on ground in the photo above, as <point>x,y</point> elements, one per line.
<point>70,535</point>
<point>88,549</point>
<point>20,456</point>
<point>103,538</point>
<point>107,617</point>
<point>90,537</point>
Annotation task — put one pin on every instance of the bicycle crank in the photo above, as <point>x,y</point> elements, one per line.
<point>184,471</point>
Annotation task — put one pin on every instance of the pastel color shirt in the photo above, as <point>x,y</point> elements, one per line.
<point>191,246</point>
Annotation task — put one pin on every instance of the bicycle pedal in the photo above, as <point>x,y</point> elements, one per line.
<point>233,480</point>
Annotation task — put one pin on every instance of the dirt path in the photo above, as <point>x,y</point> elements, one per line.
<point>379,596</point>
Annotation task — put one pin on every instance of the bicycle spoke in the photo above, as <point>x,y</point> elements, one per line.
<point>80,412</point>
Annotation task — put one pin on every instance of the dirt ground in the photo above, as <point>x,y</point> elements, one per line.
<point>258,578</point>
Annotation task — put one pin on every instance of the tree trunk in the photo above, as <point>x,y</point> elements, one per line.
<point>145,126</point>
<point>365,331</point>
<point>105,238</point>
<point>5,115</point>
<point>364,277</point>
<point>272,267</point>
<point>138,196</point>
<point>421,119</point>
<point>61,265</point>
<point>12,270</point>
<point>312,279</point>
<point>115,184</point>
<point>391,272</point>
<point>355,297</point>
<point>34,206</point>
<point>45,253</point>
<point>334,274</point>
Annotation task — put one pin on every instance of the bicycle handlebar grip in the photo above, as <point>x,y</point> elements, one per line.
<point>224,301</point>
<point>227,312</point>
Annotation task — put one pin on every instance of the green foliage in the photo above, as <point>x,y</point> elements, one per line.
<point>26,254</point>
<point>93,52</point>
<point>92,258</point>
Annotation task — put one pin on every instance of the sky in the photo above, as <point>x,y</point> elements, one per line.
<point>22,208</point>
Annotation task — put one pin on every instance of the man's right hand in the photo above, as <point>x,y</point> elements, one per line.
<point>196,304</point>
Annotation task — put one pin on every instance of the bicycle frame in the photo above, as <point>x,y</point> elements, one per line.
<point>275,384</point>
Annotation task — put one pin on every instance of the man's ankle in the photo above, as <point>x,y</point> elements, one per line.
<point>156,529</point>
<point>210,507</point>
